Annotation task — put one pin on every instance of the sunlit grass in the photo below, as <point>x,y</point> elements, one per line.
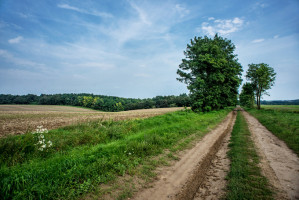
<point>89,154</point>
<point>245,180</point>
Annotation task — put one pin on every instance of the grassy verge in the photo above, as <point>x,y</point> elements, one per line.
<point>285,125</point>
<point>244,179</point>
<point>87,155</point>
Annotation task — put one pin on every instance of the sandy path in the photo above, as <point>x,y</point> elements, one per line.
<point>214,184</point>
<point>279,164</point>
<point>182,180</point>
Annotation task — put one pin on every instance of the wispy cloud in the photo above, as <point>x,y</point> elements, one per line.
<point>142,75</point>
<point>222,26</point>
<point>15,40</point>
<point>19,61</point>
<point>276,36</point>
<point>95,13</point>
<point>258,40</point>
<point>182,10</point>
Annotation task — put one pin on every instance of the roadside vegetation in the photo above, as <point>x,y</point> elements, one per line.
<point>68,162</point>
<point>282,121</point>
<point>245,180</point>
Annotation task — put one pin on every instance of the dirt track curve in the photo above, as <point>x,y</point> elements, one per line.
<point>200,173</point>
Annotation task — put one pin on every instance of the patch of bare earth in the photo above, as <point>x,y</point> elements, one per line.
<point>278,163</point>
<point>183,179</point>
<point>19,119</point>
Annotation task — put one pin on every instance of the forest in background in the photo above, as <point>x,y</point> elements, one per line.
<point>98,102</point>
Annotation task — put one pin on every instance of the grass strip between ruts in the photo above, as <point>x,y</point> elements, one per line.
<point>245,180</point>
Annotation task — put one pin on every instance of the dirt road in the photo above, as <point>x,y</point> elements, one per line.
<point>279,164</point>
<point>200,173</point>
<point>182,180</point>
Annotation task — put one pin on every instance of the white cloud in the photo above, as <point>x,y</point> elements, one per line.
<point>276,36</point>
<point>141,13</point>
<point>182,10</point>
<point>95,13</point>
<point>258,40</point>
<point>222,26</point>
<point>15,40</point>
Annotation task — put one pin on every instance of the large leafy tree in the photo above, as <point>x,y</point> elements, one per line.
<point>212,73</point>
<point>262,77</point>
<point>247,95</point>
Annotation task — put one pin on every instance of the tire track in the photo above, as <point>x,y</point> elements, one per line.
<point>182,180</point>
<point>279,164</point>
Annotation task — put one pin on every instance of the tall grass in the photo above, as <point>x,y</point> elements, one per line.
<point>284,124</point>
<point>89,154</point>
<point>244,178</point>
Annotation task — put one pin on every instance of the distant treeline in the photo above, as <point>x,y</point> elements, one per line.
<point>98,102</point>
<point>281,102</point>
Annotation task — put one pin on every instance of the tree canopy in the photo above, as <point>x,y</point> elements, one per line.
<point>212,73</point>
<point>98,102</point>
<point>262,77</point>
<point>247,95</point>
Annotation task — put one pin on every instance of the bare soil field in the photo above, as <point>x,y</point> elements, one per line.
<point>19,119</point>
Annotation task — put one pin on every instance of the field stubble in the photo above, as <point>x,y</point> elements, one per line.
<point>19,119</point>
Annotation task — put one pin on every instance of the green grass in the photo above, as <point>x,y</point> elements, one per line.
<point>283,124</point>
<point>87,155</point>
<point>287,108</point>
<point>244,178</point>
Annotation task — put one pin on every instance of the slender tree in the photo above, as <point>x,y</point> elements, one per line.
<point>262,78</point>
<point>212,73</point>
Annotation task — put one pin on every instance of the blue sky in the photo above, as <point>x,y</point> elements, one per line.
<point>133,48</point>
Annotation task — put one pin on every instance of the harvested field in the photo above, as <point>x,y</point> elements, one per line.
<point>19,119</point>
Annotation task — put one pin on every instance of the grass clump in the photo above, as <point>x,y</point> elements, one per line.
<point>86,155</point>
<point>244,178</point>
<point>284,124</point>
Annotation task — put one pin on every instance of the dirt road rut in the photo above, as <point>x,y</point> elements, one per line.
<point>182,180</point>
<point>279,164</point>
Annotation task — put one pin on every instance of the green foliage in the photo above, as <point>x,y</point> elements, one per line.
<point>212,73</point>
<point>245,180</point>
<point>262,78</point>
<point>98,102</point>
<point>247,95</point>
<point>86,155</point>
<point>284,123</point>
<point>281,102</point>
